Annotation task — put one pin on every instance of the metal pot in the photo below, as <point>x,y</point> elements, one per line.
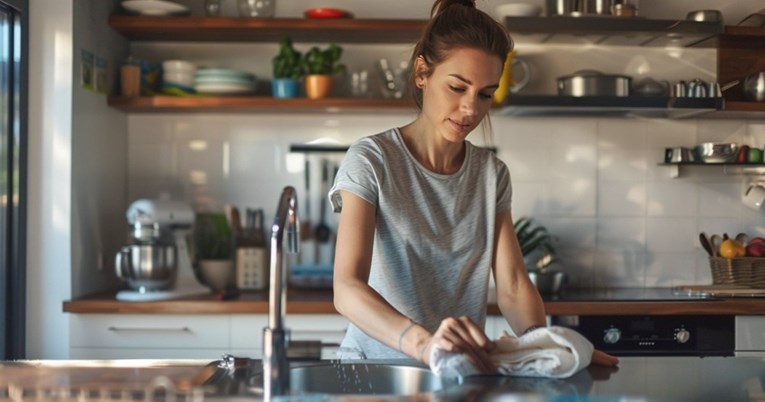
<point>548,282</point>
<point>754,87</point>
<point>594,83</point>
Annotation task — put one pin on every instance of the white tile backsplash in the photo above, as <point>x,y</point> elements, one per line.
<point>619,218</point>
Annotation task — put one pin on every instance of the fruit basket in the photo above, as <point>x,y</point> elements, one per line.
<point>742,271</point>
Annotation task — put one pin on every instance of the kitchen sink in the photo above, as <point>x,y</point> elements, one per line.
<point>364,378</point>
<point>357,377</point>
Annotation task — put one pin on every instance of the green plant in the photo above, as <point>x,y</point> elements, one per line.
<point>324,62</point>
<point>212,237</point>
<point>535,242</point>
<point>289,62</point>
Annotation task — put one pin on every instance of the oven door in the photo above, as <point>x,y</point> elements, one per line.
<point>656,335</point>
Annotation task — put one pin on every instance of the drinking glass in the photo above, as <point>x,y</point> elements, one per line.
<point>256,8</point>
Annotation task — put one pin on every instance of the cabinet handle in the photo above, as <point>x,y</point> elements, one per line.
<point>138,329</point>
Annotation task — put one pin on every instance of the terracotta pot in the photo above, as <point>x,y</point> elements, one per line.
<point>318,86</point>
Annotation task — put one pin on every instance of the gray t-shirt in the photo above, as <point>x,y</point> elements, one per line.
<point>434,238</point>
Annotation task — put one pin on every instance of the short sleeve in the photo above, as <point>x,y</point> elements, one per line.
<point>360,173</point>
<point>504,188</point>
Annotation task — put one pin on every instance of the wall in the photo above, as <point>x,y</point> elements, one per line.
<point>76,188</point>
<point>50,142</point>
<point>99,163</point>
<point>618,217</point>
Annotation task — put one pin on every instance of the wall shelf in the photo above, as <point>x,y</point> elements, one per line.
<point>611,30</point>
<point>728,168</point>
<point>604,106</point>
<point>165,104</point>
<point>216,29</point>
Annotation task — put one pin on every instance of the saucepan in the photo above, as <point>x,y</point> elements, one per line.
<point>594,83</point>
<point>754,87</point>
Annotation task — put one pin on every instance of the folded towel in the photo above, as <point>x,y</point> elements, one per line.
<point>553,352</point>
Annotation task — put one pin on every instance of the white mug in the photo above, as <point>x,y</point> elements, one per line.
<point>754,197</point>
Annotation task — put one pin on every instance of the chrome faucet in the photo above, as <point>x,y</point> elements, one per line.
<point>276,380</point>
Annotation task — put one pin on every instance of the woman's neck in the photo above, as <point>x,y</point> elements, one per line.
<point>431,149</point>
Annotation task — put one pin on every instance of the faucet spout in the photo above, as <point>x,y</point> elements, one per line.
<point>276,335</point>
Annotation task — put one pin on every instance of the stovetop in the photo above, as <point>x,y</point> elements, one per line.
<point>629,294</point>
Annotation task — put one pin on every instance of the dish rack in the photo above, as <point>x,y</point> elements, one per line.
<point>743,271</point>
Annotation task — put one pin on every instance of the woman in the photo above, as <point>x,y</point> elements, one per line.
<point>425,215</point>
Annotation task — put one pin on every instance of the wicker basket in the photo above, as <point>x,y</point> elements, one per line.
<point>745,271</point>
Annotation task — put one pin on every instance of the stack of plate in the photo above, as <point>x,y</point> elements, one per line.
<point>222,81</point>
<point>154,7</point>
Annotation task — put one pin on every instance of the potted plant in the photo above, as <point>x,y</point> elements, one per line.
<point>288,70</point>
<point>320,65</point>
<point>539,255</point>
<point>212,248</point>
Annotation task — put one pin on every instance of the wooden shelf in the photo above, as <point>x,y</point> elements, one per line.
<point>616,31</point>
<point>165,104</point>
<point>208,29</point>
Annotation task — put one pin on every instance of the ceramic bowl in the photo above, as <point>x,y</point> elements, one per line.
<point>518,10</point>
<point>179,66</point>
<point>218,275</point>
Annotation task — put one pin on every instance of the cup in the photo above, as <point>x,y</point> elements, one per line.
<point>754,155</point>
<point>754,197</point>
<point>678,154</point>
<point>130,80</point>
<point>256,8</point>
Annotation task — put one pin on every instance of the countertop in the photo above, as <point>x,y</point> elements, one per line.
<point>621,301</point>
<point>636,378</point>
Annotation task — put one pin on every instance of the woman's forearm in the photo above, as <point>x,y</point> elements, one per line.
<point>367,310</point>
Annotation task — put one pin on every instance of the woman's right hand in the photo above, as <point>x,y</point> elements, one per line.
<point>462,335</point>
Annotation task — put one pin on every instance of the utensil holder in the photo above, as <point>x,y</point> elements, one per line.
<point>743,271</point>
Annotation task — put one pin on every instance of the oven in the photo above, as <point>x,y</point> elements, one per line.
<point>651,334</point>
<point>656,335</point>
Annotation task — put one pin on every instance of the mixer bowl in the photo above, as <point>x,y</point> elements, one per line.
<point>147,268</point>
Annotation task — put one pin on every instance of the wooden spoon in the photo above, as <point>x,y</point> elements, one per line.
<point>707,244</point>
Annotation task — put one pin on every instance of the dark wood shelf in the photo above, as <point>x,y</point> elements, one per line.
<point>611,30</point>
<point>215,29</point>
<point>164,104</point>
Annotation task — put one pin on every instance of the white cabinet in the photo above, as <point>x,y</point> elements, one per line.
<point>115,336</point>
<point>175,336</point>
<point>750,335</point>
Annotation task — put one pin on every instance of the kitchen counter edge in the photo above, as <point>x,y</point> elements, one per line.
<point>320,302</point>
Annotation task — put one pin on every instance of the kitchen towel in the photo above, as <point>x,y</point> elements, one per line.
<point>551,352</point>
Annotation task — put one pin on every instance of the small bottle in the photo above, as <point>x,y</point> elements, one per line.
<point>252,253</point>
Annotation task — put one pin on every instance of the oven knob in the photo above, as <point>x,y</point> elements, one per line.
<point>612,335</point>
<point>682,335</point>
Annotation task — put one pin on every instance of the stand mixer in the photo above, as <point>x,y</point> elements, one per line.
<point>156,265</point>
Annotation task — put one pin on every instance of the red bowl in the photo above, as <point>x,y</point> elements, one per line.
<point>326,13</point>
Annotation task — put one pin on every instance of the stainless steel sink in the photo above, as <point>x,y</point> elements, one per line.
<point>364,378</point>
<point>357,377</point>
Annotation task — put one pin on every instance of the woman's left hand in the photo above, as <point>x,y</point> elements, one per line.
<point>601,358</point>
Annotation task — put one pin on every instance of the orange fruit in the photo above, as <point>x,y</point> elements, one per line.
<point>731,249</point>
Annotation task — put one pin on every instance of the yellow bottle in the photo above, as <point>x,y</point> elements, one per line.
<point>505,80</point>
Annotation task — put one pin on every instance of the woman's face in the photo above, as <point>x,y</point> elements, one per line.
<point>458,93</point>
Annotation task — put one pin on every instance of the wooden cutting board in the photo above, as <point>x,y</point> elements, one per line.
<point>721,290</point>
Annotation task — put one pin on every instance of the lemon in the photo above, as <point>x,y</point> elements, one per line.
<point>731,249</point>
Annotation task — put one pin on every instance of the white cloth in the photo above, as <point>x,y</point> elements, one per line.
<point>552,352</point>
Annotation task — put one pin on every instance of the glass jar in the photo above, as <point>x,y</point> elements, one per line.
<point>212,8</point>
<point>256,8</point>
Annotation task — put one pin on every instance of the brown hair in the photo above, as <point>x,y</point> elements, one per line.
<point>456,24</point>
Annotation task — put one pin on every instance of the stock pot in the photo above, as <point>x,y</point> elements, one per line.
<point>594,83</point>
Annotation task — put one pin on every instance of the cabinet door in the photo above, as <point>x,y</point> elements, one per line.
<point>750,334</point>
<point>144,353</point>
<point>150,331</point>
<point>247,332</point>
